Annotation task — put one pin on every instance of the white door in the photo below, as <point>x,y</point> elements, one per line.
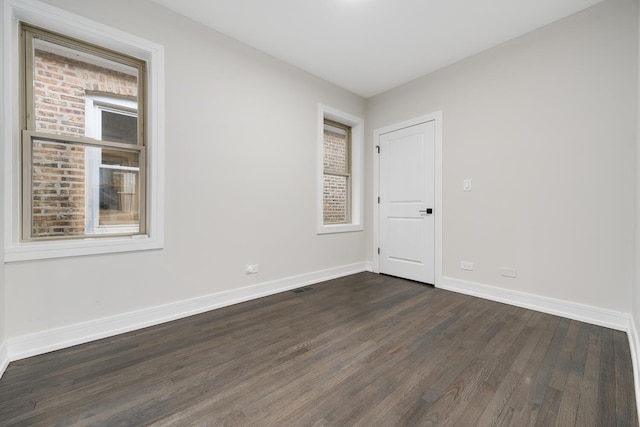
<point>407,198</point>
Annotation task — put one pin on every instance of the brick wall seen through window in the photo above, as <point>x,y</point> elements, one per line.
<point>336,178</point>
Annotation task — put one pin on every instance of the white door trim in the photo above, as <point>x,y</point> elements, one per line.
<point>437,209</point>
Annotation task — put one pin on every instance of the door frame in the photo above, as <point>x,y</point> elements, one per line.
<point>436,117</point>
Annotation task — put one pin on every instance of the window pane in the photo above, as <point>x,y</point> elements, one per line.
<point>119,127</point>
<point>335,196</point>
<point>335,151</point>
<point>80,190</point>
<point>62,78</point>
<point>58,189</point>
<point>119,195</point>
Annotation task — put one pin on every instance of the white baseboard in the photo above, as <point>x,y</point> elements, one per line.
<point>66,336</point>
<point>4,358</point>
<point>585,313</point>
<point>634,346</point>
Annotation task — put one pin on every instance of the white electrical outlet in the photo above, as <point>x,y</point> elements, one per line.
<point>466,185</point>
<point>252,269</point>
<point>466,265</point>
<point>508,272</point>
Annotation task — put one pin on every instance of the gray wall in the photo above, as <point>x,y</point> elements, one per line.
<point>545,127</point>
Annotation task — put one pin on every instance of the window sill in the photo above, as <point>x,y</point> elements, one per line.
<point>339,228</point>
<point>91,246</point>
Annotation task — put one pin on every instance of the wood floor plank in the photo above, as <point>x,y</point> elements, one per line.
<point>548,412</point>
<point>586,414</point>
<point>516,360</point>
<point>455,399</point>
<point>624,398</point>
<point>362,350</point>
<point>606,381</point>
<point>569,373</point>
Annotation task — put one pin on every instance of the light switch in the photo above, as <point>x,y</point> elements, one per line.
<point>466,185</point>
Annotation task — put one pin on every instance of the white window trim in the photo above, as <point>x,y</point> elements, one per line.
<point>357,158</point>
<point>71,25</point>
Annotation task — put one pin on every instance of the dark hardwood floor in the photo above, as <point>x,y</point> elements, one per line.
<point>365,350</point>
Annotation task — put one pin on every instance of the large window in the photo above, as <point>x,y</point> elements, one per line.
<point>83,135</point>
<point>85,157</point>
<point>340,182</point>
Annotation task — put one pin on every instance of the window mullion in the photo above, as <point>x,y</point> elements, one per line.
<point>27,186</point>
<point>344,175</point>
<point>27,79</point>
<point>84,141</point>
<point>142,101</point>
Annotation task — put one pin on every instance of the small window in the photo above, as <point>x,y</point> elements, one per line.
<point>112,178</point>
<point>83,139</point>
<point>336,192</point>
<point>340,149</point>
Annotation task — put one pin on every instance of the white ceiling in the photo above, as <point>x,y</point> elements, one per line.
<point>369,46</point>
